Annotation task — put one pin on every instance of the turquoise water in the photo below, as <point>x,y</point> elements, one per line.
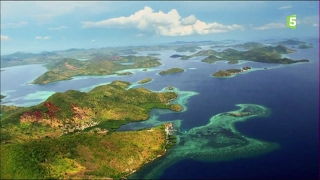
<point>289,92</point>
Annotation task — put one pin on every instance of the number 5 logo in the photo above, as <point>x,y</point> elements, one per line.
<point>292,21</point>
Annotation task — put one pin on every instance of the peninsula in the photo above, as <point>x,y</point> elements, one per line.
<point>73,134</point>
<point>171,71</point>
<point>67,68</point>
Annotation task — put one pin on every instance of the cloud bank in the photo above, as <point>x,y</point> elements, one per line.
<point>165,24</point>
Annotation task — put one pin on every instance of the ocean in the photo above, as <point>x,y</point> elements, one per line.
<point>291,92</point>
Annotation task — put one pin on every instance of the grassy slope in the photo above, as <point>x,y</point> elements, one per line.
<point>102,65</point>
<point>38,149</point>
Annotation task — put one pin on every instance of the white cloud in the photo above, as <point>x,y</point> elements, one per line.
<point>58,28</point>
<point>285,7</point>
<point>165,24</point>
<point>271,26</point>
<point>93,40</point>
<point>5,38</point>
<point>316,25</point>
<point>190,20</point>
<point>13,25</point>
<point>43,38</point>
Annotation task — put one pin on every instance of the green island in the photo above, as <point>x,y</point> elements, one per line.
<point>127,73</point>
<point>2,96</point>
<point>230,72</point>
<point>171,71</point>
<point>267,54</point>
<point>73,134</point>
<point>67,68</point>
<point>145,80</point>
<point>24,58</point>
<point>216,141</point>
<point>153,54</point>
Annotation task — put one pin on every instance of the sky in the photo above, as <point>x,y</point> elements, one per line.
<point>36,26</point>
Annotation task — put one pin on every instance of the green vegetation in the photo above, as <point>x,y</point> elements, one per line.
<point>266,54</point>
<point>67,68</point>
<point>143,81</point>
<point>171,71</point>
<point>230,72</point>
<point>72,134</point>
<point>2,96</point>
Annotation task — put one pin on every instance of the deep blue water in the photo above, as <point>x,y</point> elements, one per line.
<point>291,92</point>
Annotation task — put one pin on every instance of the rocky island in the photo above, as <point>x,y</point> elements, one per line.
<point>143,81</point>
<point>67,68</point>
<point>73,134</point>
<point>171,71</point>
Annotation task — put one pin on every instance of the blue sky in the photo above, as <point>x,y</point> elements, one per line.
<point>36,26</point>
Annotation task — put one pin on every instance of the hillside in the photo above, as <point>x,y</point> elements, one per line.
<point>265,54</point>
<point>102,65</point>
<point>72,134</point>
